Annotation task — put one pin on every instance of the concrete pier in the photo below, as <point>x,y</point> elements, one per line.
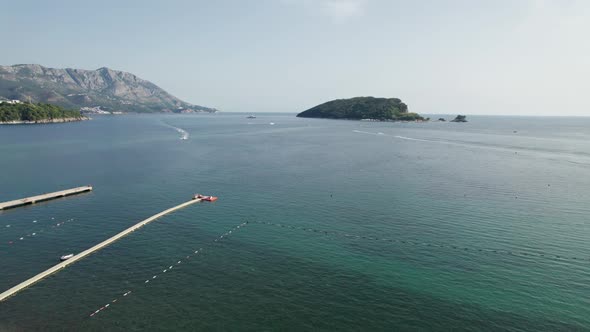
<point>44,197</point>
<point>56,268</point>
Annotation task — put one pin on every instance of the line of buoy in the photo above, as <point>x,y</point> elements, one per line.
<point>518,253</point>
<point>9,225</point>
<point>20,223</point>
<point>150,280</point>
<point>33,234</point>
<point>349,236</point>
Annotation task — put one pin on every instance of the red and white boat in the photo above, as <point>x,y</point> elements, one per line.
<point>205,198</point>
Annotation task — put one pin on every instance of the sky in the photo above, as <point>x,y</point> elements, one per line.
<point>496,57</point>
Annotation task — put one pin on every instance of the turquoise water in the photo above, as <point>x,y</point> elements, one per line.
<point>386,226</point>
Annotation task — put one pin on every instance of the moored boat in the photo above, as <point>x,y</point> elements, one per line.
<point>66,257</point>
<point>205,197</point>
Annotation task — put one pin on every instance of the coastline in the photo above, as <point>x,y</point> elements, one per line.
<point>45,121</point>
<point>368,120</point>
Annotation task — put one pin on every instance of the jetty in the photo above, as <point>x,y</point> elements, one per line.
<point>77,257</point>
<point>44,197</point>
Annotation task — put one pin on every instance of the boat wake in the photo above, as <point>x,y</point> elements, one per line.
<point>184,135</point>
<point>564,156</point>
<point>400,137</point>
<point>364,132</point>
<point>415,139</point>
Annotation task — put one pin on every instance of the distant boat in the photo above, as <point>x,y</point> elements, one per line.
<point>66,257</point>
<point>251,117</point>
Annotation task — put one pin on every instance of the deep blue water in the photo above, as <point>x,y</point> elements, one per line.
<point>351,225</point>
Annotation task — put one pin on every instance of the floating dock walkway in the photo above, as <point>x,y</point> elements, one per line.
<point>56,268</point>
<point>44,197</point>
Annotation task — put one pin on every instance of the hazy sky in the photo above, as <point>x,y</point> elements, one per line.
<point>476,57</point>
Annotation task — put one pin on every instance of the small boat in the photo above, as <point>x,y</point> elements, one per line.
<point>66,257</point>
<point>251,117</point>
<point>205,198</point>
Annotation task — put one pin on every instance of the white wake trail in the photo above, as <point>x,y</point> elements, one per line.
<point>184,135</point>
<point>416,139</point>
<point>369,133</point>
<point>400,137</point>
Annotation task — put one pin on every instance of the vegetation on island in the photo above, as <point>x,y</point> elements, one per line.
<point>29,112</point>
<point>459,118</point>
<point>359,108</point>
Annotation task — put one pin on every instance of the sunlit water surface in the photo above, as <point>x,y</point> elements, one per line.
<point>351,225</point>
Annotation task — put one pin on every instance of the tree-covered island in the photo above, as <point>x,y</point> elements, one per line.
<point>363,108</point>
<point>23,112</point>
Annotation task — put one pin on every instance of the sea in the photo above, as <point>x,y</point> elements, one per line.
<point>320,225</point>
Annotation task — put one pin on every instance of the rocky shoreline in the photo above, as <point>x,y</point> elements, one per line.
<point>45,121</point>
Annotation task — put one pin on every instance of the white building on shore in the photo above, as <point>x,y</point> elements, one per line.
<point>11,101</point>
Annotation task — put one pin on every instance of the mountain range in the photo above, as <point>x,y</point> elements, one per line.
<point>109,89</point>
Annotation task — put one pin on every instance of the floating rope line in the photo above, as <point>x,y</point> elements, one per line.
<point>348,236</point>
<point>34,222</point>
<point>33,234</point>
<point>427,244</point>
<point>153,278</point>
